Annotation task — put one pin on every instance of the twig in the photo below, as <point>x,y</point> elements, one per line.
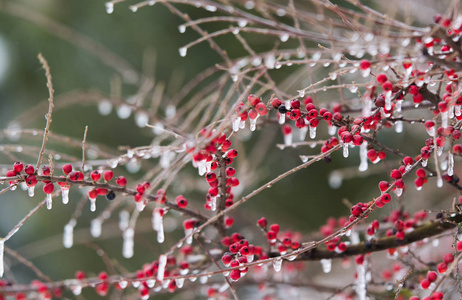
<point>83,148</point>
<point>50,108</point>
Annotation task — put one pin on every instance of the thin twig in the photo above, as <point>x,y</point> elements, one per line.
<point>50,107</point>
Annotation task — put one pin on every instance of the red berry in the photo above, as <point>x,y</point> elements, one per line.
<point>210,176</point>
<point>108,175</point>
<point>262,222</point>
<point>48,188</point>
<point>442,267</point>
<point>365,64</point>
<point>381,78</point>
<point>275,228</point>
<point>459,246</point>
<point>261,109</point>
<point>276,102</point>
<point>18,166</point>
<point>229,221</point>
<point>383,185</point>
<point>232,153</point>
<point>425,283</point>
<point>46,171</point>
<point>95,175</point>
<point>181,201</point>
<point>31,180</point>
<point>67,169</point>
<point>431,276</point>
<point>235,274</point>
<point>92,194</point>
<point>253,100</point>
<point>29,169</point>
<point>385,198</point>
<point>121,181</point>
<point>395,174</point>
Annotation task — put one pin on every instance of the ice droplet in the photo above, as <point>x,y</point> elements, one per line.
<point>182,29</point>
<point>213,203</point>
<point>161,270</point>
<point>179,282</point>
<point>398,192</point>
<point>68,236</point>
<point>183,51</point>
<point>439,182</point>
<point>439,150</point>
<point>335,180</point>
<point>128,244</point>
<point>152,2</point>
<point>170,111</point>
<point>331,130</point>
<point>277,264</point>
<point>141,118</point>
<point>242,23</point>
<point>105,107</point>
<point>133,8</point>
<point>211,8</point>
<point>203,279</point>
<point>284,38</point>
<point>326,265</point>
<point>95,228</point>
<point>109,7</point>
<point>49,201</point>
<point>30,191</point>
<point>124,111</point>
<point>424,162</point>
<point>76,290</point>
<point>123,284</point>
<point>236,122</point>
<point>450,164</point>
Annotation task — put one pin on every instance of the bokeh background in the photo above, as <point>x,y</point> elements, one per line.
<point>144,40</point>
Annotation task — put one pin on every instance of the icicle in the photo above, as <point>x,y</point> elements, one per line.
<point>92,204</point>
<point>128,244</point>
<point>398,192</point>
<point>242,124</point>
<point>345,150</point>
<point>123,284</point>
<point>360,284</point>
<point>451,112</point>
<point>179,282</point>
<point>124,218</point>
<point>326,265</point>
<point>457,110</point>
<point>312,132</point>
<point>398,105</point>
<point>158,225</point>
<point>363,157</point>
<point>30,191</point>
<point>140,205</point>
<point>250,258</point>
<point>281,118</point>
<point>2,249</point>
<point>253,124</point>
<point>68,236</point>
<point>161,270</point>
<point>304,158</point>
<point>202,167</point>
<point>65,194</point>
<point>399,126</point>
<point>186,233</point>
<point>450,164</point>
<point>213,203</point>
<point>388,100</point>
<point>439,150</point>
<point>331,130</point>
<point>236,122</point>
<point>49,201</point>
<point>288,139</point>
<point>444,119</point>
<point>95,228</point>
<point>277,264</point>
<point>303,132</point>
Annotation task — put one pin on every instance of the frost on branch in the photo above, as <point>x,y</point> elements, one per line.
<point>191,166</point>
